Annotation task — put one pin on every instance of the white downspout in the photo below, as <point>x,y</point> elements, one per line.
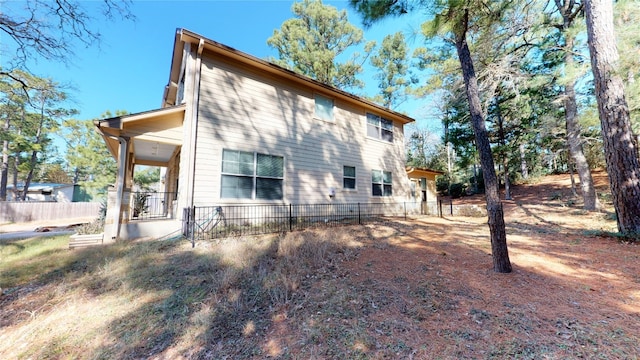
<point>194,125</point>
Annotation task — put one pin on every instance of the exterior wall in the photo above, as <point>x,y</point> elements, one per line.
<point>171,183</point>
<point>54,194</point>
<point>430,205</point>
<point>188,89</point>
<point>241,109</point>
<point>431,192</point>
<point>64,194</point>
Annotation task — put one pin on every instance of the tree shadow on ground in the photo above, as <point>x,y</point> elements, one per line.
<point>392,289</point>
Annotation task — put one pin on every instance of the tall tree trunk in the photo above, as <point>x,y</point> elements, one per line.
<point>495,213</point>
<point>574,139</point>
<point>574,193</point>
<point>449,167</point>
<point>476,188</point>
<point>16,164</point>
<point>507,182</point>
<point>27,182</point>
<point>34,155</point>
<point>620,146</point>
<point>524,170</point>
<point>4,173</point>
<point>505,159</point>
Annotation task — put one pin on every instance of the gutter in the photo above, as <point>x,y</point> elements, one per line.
<point>195,99</point>
<point>262,65</point>
<point>410,170</point>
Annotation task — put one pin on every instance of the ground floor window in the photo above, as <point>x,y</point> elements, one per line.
<point>381,183</point>
<point>251,175</point>
<point>349,177</point>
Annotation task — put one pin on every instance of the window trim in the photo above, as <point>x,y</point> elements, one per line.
<point>354,177</point>
<point>316,115</point>
<point>380,129</point>
<point>254,176</point>
<point>382,183</point>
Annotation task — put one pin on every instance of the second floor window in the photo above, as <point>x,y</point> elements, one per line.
<point>379,128</point>
<point>251,175</point>
<point>324,108</point>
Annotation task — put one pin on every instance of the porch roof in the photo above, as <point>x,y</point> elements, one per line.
<point>155,135</point>
<point>417,172</point>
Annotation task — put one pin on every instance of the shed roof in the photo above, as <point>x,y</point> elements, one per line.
<point>415,172</point>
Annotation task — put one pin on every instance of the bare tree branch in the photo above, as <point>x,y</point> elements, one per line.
<point>48,29</point>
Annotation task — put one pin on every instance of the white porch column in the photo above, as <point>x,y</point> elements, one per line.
<point>123,154</point>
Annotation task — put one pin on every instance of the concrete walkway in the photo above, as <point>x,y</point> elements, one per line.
<point>13,231</point>
<point>18,235</point>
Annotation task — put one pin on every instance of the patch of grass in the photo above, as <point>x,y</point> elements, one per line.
<point>301,295</point>
<point>576,241</point>
<point>620,237</point>
<point>555,196</point>
<point>518,349</point>
<point>147,298</point>
<point>22,261</point>
<point>579,212</point>
<point>605,197</point>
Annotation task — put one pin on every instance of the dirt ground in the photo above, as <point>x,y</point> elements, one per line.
<point>421,288</point>
<point>574,291</point>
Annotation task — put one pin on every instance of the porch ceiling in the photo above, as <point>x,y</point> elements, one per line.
<point>155,136</point>
<point>151,152</point>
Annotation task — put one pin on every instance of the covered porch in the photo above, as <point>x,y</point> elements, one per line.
<point>151,138</point>
<point>423,187</point>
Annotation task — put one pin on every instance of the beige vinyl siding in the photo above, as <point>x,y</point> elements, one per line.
<point>189,60</point>
<point>382,155</point>
<point>240,109</point>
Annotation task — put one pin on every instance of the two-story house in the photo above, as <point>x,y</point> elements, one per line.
<point>235,129</point>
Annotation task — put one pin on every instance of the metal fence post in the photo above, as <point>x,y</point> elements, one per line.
<point>290,217</point>
<point>451,207</point>
<point>359,221</point>
<point>440,207</point>
<point>405,210</point>
<point>191,224</point>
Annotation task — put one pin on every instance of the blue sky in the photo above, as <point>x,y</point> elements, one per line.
<point>130,68</point>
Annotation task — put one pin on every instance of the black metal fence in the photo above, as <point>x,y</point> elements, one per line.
<point>151,205</point>
<point>209,222</point>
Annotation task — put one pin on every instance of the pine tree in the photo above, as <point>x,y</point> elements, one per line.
<point>311,42</point>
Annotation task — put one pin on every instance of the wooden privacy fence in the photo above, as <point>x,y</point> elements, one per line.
<point>16,212</point>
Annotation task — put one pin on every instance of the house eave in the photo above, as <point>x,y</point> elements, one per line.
<point>118,126</point>
<point>416,172</point>
<point>117,122</point>
<point>185,36</point>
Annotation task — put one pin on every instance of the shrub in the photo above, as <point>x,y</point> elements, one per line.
<point>97,225</point>
<point>456,190</point>
<point>442,184</point>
